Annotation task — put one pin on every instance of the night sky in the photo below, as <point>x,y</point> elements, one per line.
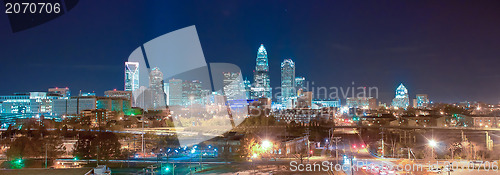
<point>447,49</point>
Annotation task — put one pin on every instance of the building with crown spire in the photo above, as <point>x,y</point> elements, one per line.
<point>401,100</point>
<point>261,87</point>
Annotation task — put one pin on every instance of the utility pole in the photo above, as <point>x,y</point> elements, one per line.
<point>45,155</point>
<point>201,159</point>
<point>489,142</point>
<point>337,140</point>
<point>452,152</point>
<point>352,165</point>
<point>408,153</point>
<point>382,143</point>
<point>173,169</point>
<point>308,143</point>
<point>142,135</point>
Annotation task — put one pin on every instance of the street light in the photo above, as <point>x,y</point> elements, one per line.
<point>266,144</point>
<point>432,143</point>
<point>254,155</point>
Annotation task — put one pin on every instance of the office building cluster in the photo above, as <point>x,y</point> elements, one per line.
<point>58,103</point>
<point>160,93</point>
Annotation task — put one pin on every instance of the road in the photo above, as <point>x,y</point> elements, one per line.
<point>351,145</point>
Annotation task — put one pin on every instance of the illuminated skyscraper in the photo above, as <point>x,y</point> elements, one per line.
<point>300,82</point>
<point>248,88</point>
<point>234,89</point>
<point>156,87</point>
<point>262,87</point>
<point>401,100</point>
<point>192,92</point>
<point>166,90</point>
<point>131,76</point>
<point>175,92</point>
<point>287,82</point>
<point>300,85</point>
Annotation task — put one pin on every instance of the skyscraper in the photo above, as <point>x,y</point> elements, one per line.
<point>233,86</point>
<point>287,82</point>
<point>248,88</point>
<point>262,87</point>
<point>175,92</point>
<point>192,92</point>
<point>131,76</point>
<point>166,90</point>
<point>299,82</point>
<point>300,85</point>
<point>401,99</point>
<point>156,87</point>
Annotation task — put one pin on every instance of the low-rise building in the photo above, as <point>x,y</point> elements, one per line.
<point>481,121</point>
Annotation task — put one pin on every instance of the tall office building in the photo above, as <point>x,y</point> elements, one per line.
<point>156,87</point>
<point>300,85</point>
<point>131,76</point>
<point>262,87</point>
<point>175,92</point>
<point>234,89</point>
<point>191,92</point>
<point>421,101</point>
<point>287,82</point>
<point>401,99</point>
<point>166,90</point>
<point>248,88</point>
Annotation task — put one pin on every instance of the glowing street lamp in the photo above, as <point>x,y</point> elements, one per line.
<point>432,143</point>
<point>266,144</point>
<point>254,155</point>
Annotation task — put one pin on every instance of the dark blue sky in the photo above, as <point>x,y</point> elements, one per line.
<point>447,49</point>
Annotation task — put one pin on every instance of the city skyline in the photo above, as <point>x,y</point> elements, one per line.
<point>430,44</point>
<point>250,87</point>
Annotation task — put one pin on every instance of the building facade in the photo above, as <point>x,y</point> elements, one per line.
<point>421,101</point>
<point>175,92</point>
<point>288,83</point>
<point>323,103</point>
<point>300,84</point>
<point>27,105</point>
<point>234,87</point>
<point>157,91</point>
